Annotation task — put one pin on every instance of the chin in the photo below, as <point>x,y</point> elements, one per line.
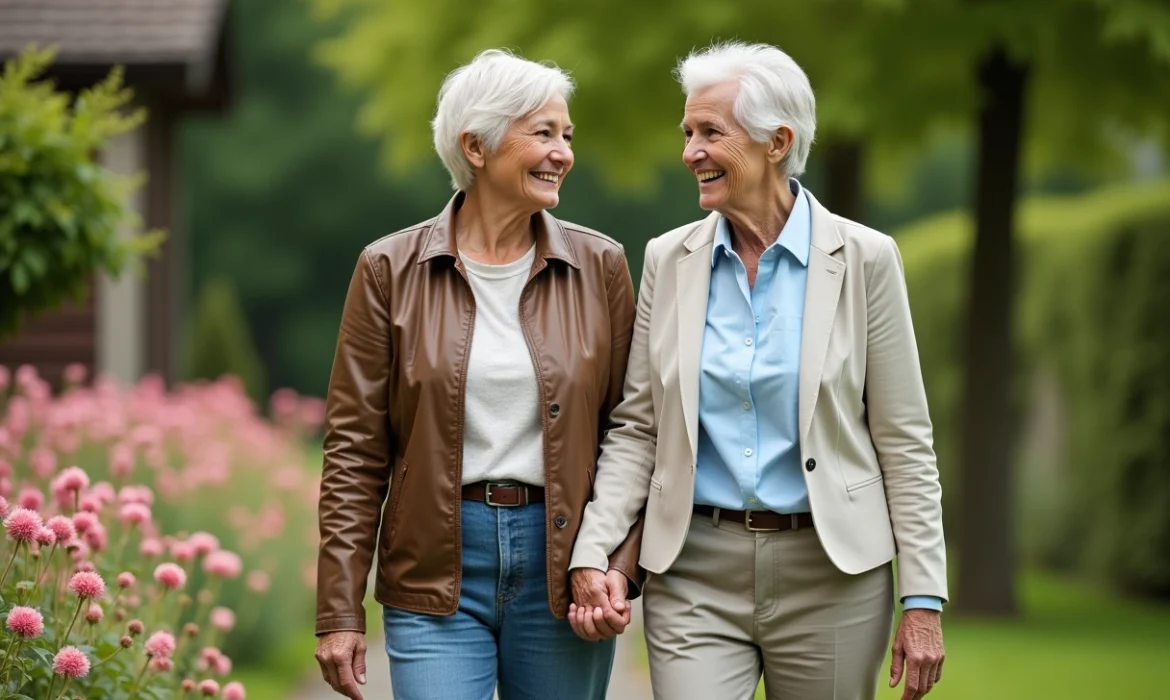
<point>709,202</point>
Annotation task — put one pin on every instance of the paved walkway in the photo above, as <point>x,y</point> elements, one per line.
<point>629,682</point>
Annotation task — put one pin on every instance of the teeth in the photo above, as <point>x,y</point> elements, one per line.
<point>709,175</point>
<point>548,177</point>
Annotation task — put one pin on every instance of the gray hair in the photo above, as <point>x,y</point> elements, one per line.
<point>483,98</point>
<point>773,92</point>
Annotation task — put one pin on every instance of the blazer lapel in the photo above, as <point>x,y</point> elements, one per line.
<point>693,283</point>
<point>822,290</point>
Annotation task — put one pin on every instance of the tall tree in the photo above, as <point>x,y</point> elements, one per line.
<point>1037,82</point>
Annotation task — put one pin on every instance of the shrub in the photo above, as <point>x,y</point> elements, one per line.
<point>60,212</point>
<point>200,507</point>
<point>220,343</point>
<point>1093,292</point>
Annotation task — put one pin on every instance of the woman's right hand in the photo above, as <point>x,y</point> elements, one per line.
<point>342,656</point>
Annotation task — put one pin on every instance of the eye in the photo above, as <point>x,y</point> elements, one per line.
<point>569,138</point>
<point>544,132</point>
<point>711,133</point>
<point>687,133</point>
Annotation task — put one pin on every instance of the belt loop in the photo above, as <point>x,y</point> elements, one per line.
<point>795,522</point>
<point>715,516</point>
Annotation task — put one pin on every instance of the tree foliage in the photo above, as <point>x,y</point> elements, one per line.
<point>61,213</point>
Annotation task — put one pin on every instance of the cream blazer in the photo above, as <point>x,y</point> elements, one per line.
<point>865,430</point>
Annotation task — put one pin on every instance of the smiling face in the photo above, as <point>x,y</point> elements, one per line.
<point>532,160</point>
<point>732,169</point>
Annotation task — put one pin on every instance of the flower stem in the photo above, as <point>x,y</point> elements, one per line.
<point>65,689</point>
<point>138,680</point>
<point>9,567</point>
<point>52,681</point>
<point>48,561</point>
<point>65,639</point>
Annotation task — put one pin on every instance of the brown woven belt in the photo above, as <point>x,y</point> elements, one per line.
<point>760,520</point>
<point>503,494</point>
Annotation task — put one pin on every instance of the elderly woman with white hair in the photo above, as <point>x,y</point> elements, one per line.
<point>774,427</point>
<point>479,356</point>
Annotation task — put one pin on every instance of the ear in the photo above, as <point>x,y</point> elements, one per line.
<point>780,144</point>
<point>473,149</point>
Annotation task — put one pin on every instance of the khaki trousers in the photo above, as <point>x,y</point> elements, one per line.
<point>736,604</point>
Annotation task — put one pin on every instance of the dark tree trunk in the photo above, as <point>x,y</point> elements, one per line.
<point>843,178</point>
<point>986,563</point>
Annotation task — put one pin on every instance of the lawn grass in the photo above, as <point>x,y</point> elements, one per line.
<point>1072,642</point>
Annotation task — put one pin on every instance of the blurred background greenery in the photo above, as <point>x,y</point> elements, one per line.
<point>1015,149</point>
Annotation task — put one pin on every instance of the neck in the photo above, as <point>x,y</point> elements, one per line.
<point>757,225</point>
<point>491,229</point>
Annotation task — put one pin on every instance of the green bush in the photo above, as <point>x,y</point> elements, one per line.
<point>60,212</point>
<point>220,343</point>
<point>1093,297</point>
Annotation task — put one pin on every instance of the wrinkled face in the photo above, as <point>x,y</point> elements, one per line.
<point>731,168</point>
<point>532,160</point>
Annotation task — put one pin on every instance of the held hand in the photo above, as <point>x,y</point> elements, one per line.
<point>342,656</point>
<point>918,653</point>
<point>592,614</point>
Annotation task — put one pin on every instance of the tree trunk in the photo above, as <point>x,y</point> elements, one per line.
<point>843,178</point>
<point>986,562</point>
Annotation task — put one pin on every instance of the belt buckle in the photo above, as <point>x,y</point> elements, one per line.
<point>747,523</point>
<point>487,497</point>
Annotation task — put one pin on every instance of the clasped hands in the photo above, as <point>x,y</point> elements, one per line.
<point>599,609</point>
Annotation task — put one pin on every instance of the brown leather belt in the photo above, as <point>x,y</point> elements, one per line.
<point>503,494</point>
<point>760,520</point>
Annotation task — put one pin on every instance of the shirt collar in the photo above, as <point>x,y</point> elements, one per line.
<point>796,235</point>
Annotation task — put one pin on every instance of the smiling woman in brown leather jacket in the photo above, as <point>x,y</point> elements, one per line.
<point>479,356</point>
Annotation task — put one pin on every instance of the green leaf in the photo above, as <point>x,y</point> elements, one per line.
<point>20,280</point>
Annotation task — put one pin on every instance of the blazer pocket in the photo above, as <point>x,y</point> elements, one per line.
<point>862,484</point>
<point>655,482</point>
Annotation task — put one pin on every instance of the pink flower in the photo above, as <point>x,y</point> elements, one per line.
<point>5,378</point>
<point>223,619</point>
<point>5,485</point>
<point>234,691</point>
<point>70,661</point>
<point>90,504</point>
<point>258,581</point>
<point>62,527</point>
<point>26,622</point>
<point>75,373</point>
<point>223,563</point>
<point>23,524</point>
<point>121,460</point>
<point>203,542</point>
<point>126,641</point>
<point>136,494</point>
<point>3,506</point>
<point>86,566</point>
<point>87,584</point>
<point>126,579</point>
<point>134,514</point>
<point>183,550</point>
<point>84,520</point>
<point>188,685</point>
<point>31,498</point>
<point>46,538</point>
<point>5,465</point>
<point>72,479</point>
<point>135,627</point>
<point>43,462</point>
<point>96,537</point>
<point>209,688</point>
<point>94,614</point>
<point>170,575</point>
<point>161,664</point>
<point>103,491</point>
<point>151,548</point>
<point>161,644</point>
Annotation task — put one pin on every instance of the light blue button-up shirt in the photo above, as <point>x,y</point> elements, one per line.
<point>749,383</point>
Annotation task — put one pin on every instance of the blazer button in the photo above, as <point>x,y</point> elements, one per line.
<point>811,464</point>
<point>554,409</point>
<point>561,522</point>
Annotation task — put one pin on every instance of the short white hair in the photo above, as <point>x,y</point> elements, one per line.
<point>773,92</point>
<point>483,98</point>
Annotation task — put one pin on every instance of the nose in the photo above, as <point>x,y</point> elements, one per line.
<point>562,156</point>
<point>693,154</point>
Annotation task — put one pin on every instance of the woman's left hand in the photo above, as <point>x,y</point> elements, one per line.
<point>918,653</point>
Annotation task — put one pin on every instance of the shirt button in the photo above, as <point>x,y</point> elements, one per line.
<point>747,452</point>
<point>752,500</point>
<point>747,406</point>
<point>747,341</point>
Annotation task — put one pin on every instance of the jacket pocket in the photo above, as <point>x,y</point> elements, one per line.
<point>397,484</point>
<point>863,483</point>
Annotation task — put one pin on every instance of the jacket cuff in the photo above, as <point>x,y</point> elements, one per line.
<point>344,623</point>
<point>635,579</point>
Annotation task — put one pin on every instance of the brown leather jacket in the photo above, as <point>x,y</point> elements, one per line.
<point>394,415</point>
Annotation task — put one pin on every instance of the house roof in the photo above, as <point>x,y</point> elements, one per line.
<point>182,37</point>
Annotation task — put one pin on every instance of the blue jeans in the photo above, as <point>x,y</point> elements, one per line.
<point>503,633</point>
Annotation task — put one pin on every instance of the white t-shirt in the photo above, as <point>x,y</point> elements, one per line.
<point>502,438</point>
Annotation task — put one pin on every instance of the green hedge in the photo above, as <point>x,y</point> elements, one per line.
<point>1093,325</point>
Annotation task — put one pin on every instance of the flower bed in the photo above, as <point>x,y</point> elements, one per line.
<point>145,535</point>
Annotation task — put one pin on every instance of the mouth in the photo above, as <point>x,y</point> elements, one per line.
<point>551,178</point>
<point>710,175</point>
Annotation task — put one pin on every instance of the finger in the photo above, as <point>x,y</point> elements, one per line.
<point>591,632</point>
<point>601,622</point>
<point>928,674</point>
<point>616,620</point>
<point>573,616</point>
<point>359,663</point>
<point>579,624</point>
<point>938,670</point>
<point>331,676</point>
<point>349,687</point>
<point>910,692</point>
<point>897,665</point>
